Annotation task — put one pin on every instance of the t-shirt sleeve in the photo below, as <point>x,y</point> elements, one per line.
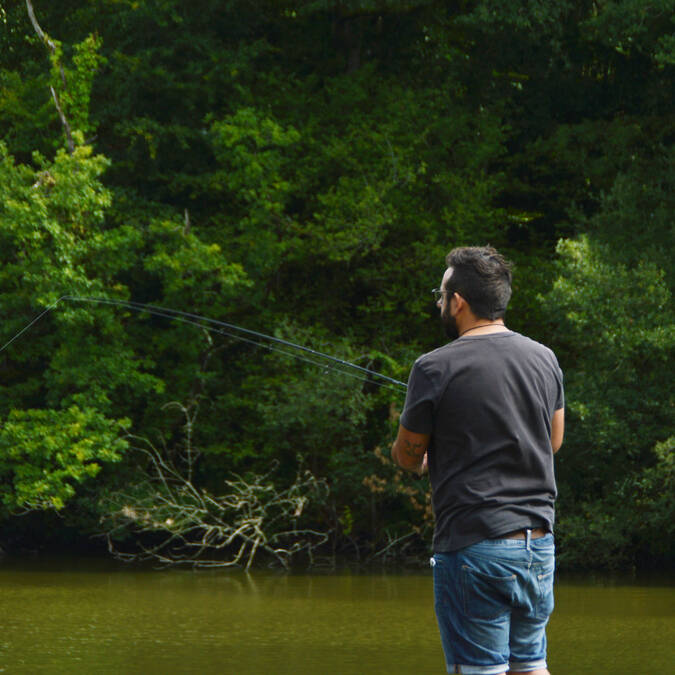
<point>418,412</point>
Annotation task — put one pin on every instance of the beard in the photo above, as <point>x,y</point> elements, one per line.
<point>449,325</point>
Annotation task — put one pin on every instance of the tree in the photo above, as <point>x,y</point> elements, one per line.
<point>616,333</point>
<point>302,169</point>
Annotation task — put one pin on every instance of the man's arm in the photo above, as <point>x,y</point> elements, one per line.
<point>409,449</point>
<point>557,429</point>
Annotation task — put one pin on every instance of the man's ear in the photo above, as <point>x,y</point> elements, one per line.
<point>460,302</point>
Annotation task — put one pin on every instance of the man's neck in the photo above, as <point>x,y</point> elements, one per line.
<point>482,327</point>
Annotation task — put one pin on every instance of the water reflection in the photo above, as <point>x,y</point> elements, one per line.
<point>95,618</point>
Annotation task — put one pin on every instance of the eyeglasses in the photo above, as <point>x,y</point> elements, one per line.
<point>438,294</point>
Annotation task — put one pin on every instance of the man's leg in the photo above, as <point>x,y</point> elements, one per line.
<point>493,600</point>
<point>473,620</point>
<point>527,641</point>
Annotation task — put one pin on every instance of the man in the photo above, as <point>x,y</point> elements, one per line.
<point>485,412</point>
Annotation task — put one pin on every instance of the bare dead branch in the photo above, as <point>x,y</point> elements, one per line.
<point>64,122</point>
<point>176,523</point>
<point>52,48</point>
<point>36,26</point>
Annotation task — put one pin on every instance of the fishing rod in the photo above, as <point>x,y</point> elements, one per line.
<point>233,331</point>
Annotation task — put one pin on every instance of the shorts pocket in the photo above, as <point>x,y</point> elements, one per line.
<point>486,596</point>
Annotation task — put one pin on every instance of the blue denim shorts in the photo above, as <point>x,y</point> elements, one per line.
<point>493,600</point>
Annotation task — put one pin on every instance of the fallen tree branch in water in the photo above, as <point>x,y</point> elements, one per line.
<point>189,526</point>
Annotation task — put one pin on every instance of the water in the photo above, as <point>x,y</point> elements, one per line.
<point>84,617</point>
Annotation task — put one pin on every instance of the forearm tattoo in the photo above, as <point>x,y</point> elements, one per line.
<point>413,450</point>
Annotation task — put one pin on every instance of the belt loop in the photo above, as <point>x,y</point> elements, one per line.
<point>528,537</point>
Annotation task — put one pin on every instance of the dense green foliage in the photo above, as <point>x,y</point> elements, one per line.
<point>301,168</point>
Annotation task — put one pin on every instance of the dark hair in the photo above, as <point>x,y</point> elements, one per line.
<point>482,277</point>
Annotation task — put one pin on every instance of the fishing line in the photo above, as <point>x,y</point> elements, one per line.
<point>35,320</point>
<point>195,319</point>
<point>167,313</point>
<point>176,313</point>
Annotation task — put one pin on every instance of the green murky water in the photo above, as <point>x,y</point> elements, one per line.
<point>84,617</point>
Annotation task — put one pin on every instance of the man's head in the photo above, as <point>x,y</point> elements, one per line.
<point>482,277</point>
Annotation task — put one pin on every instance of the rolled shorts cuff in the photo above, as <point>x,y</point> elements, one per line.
<point>527,666</point>
<point>480,670</point>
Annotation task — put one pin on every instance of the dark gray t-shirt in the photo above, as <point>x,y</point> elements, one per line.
<point>488,403</point>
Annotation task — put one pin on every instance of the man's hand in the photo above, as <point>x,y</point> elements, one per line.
<point>410,449</point>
